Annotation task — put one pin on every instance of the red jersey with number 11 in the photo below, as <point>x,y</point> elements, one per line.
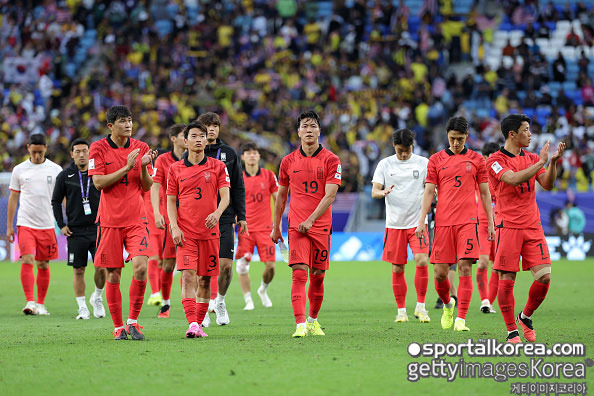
<point>258,189</point>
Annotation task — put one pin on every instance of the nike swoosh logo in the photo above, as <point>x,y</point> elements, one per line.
<point>445,167</point>
<point>181,180</point>
<point>296,171</point>
<point>109,163</point>
<point>71,175</point>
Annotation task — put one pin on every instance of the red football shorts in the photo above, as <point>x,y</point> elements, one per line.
<point>41,243</point>
<point>112,240</point>
<point>200,255</point>
<point>310,249</point>
<point>453,243</point>
<point>396,241</point>
<point>512,243</point>
<point>155,240</point>
<point>168,247</point>
<point>487,246</point>
<point>260,239</point>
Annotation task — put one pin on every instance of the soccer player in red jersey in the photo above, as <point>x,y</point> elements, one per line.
<point>121,169</point>
<point>313,175</point>
<point>260,185</point>
<point>513,173</point>
<point>155,242</point>
<point>159,210</point>
<point>455,172</point>
<point>487,287</point>
<point>193,187</point>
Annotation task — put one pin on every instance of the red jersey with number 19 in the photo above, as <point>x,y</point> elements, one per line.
<point>516,205</point>
<point>258,189</point>
<point>456,177</point>
<point>306,178</point>
<point>197,188</point>
<point>122,203</point>
<point>162,164</point>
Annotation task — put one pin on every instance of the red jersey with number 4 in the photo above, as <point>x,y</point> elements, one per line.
<point>516,205</point>
<point>306,178</point>
<point>197,189</point>
<point>162,164</point>
<point>122,203</point>
<point>258,189</point>
<point>456,177</point>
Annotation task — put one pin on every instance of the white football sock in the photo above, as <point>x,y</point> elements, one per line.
<point>420,306</point>
<point>220,298</point>
<point>401,311</point>
<point>81,302</point>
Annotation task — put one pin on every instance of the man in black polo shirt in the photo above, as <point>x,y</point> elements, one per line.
<point>82,201</point>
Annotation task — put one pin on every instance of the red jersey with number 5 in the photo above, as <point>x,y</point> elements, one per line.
<point>516,205</point>
<point>306,178</point>
<point>162,164</point>
<point>456,177</point>
<point>122,203</point>
<point>197,189</point>
<point>258,189</point>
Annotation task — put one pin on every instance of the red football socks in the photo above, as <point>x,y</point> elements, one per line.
<point>201,310</point>
<point>28,281</point>
<point>166,281</point>
<point>421,282</point>
<point>153,276</point>
<point>399,288</point>
<point>507,302</point>
<point>114,303</point>
<point>43,280</point>
<point>298,295</point>
<point>464,295</point>
<point>493,286</point>
<point>443,290</point>
<point>214,287</point>
<point>315,294</point>
<point>137,289</point>
<point>536,295</point>
<point>190,309</point>
<point>481,283</point>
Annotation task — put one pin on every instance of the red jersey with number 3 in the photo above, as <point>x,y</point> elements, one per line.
<point>162,164</point>
<point>197,189</point>
<point>456,177</point>
<point>516,205</point>
<point>306,178</point>
<point>122,203</point>
<point>258,189</point>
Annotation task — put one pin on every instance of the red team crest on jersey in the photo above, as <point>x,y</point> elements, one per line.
<point>262,186</point>
<point>468,167</point>
<point>207,177</point>
<point>320,172</point>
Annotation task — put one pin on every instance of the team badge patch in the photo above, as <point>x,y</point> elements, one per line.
<point>262,186</point>
<point>320,172</point>
<point>223,157</point>
<point>207,176</point>
<point>496,167</point>
<point>49,180</point>
<point>416,174</point>
<point>468,167</point>
<point>92,163</point>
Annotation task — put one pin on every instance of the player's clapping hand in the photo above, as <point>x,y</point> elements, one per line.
<point>212,219</point>
<point>388,190</point>
<point>132,158</point>
<point>243,227</point>
<point>544,152</point>
<point>305,226</point>
<point>149,157</point>
<point>559,153</point>
<point>160,221</point>
<point>420,230</point>
<point>276,235</point>
<point>66,231</point>
<point>178,236</point>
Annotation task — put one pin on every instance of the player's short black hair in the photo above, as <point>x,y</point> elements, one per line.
<point>403,136</point>
<point>248,146</point>
<point>78,141</point>
<point>37,138</point>
<point>489,148</point>
<point>175,129</point>
<point>513,122</point>
<point>116,112</point>
<point>209,118</point>
<point>194,125</point>
<point>308,114</point>
<point>457,124</point>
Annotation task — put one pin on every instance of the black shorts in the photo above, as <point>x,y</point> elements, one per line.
<point>227,232</point>
<point>80,243</point>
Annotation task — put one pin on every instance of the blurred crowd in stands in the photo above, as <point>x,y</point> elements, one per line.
<point>366,67</point>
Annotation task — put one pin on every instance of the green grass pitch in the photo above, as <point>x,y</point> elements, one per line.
<point>364,351</point>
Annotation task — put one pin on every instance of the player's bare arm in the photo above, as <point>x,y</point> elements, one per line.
<point>428,195</point>
<point>486,201</point>
<point>517,178</point>
<point>176,234</point>
<point>159,219</point>
<point>13,200</point>
<point>378,191</point>
<point>279,209</point>
<point>547,179</point>
<point>329,196</point>
<point>213,218</point>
